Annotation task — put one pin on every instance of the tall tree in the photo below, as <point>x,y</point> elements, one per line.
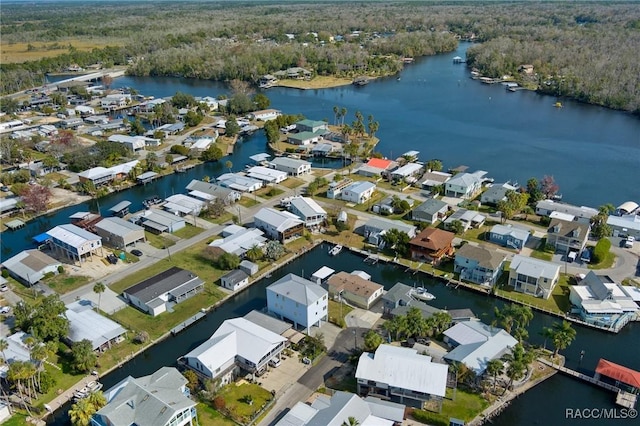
<point>548,186</point>
<point>563,336</point>
<point>83,358</point>
<point>494,369</point>
<point>4,345</point>
<point>81,412</point>
<point>372,340</point>
<point>99,288</point>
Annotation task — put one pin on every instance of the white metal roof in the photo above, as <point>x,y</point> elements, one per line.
<point>239,242</point>
<point>298,289</point>
<point>85,323</point>
<point>280,220</point>
<point>307,206</point>
<point>403,368</point>
<point>72,235</point>
<point>534,267</point>
<point>323,273</point>
<point>118,226</point>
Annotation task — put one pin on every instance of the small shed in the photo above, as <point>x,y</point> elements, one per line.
<point>121,209</point>
<point>234,280</point>
<point>248,267</point>
<point>343,217</point>
<point>322,274</point>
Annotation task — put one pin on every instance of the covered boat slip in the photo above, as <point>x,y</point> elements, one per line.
<point>14,224</point>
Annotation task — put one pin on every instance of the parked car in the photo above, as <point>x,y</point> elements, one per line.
<point>275,362</point>
<point>4,288</point>
<point>5,309</point>
<point>112,259</point>
<point>628,243</point>
<point>261,372</point>
<point>306,360</point>
<point>4,189</point>
<point>136,252</point>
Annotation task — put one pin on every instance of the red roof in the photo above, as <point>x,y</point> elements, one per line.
<point>379,163</point>
<point>618,372</point>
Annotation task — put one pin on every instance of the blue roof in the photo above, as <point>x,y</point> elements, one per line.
<point>41,238</point>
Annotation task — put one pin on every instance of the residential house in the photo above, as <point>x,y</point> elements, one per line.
<point>386,206</point>
<point>432,179</point>
<point>85,110</point>
<point>292,166</point>
<point>478,264</point>
<point>8,204</point>
<point>30,266</point>
<point>375,228</point>
<point>158,293</point>
<point>358,192</point>
<point>336,188</point>
<point>234,280</point>
<point>114,101</point>
<point>159,221</point>
<point>354,289</point>
<point>160,399</point>
<point>97,175</point>
<point>74,242</point>
<point>338,409</point>
<point>401,374</point>
<point>567,236</point>
<point>278,225</point>
<point>210,191</point>
<point>509,236</point>
<point>298,300</point>
<point>430,211</point>
<point>628,224</point>
<point>303,138</point>
<point>598,300</point>
<point>468,219</point>
<point>313,126</point>
<point>496,193</point>
<point>297,73</point>
<point>407,173</point>
<point>181,205</point>
<point>533,276</point>
<point>377,167</point>
<point>200,145</point>
<point>239,182</point>
<point>267,81</point>
<point>119,233</point>
<point>87,324</point>
<point>464,185</point>
<point>265,114</point>
<point>309,211</point>
<point>475,344</point>
<point>17,350</point>
<point>267,175</point>
<point>431,245</point>
<point>237,345</point>
<point>240,241</point>
<point>581,214</point>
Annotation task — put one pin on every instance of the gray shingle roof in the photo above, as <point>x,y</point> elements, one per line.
<point>162,283</point>
<point>486,258</point>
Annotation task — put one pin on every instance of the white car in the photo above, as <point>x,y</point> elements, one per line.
<point>274,362</point>
<point>5,310</point>
<point>628,243</point>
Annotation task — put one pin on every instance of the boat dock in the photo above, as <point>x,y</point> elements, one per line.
<point>623,398</point>
<point>15,224</point>
<point>178,328</point>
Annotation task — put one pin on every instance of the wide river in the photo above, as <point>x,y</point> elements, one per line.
<point>593,153</point>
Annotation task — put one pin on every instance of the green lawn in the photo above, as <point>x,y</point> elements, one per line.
<point>248,202</point>
<point>234,397</point>
<point>208,416</point>
<point>377,196</point>
<point>606,263</point>
<point>465,407</point>
<point>188,232</point>
<point>293,182</point>
<point>337,312</point>
<point>64,283</point>
<point>558,302</point>
<point>269,192</point>
<point>223,218</point>
<point>158,241</point>
<point>541,252</point>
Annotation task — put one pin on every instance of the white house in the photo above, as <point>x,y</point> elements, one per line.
<point>265,114</point>
<point>402,375</point>
<point>234,280</point>
<point>533,276</point>
<point>159,221</point>
<point>239,182</point>
<point>240,240</point>
<point>464,185</point>
<point>267,174</point>
<point>237,345</point>
<point>75,242</point>
<point>336,188</point>
<point>298,300</point>
<point>160,399</point>
<point>308,210</point>
<point>278,225</point>
<point>181,204</point>
<point>407,171</point>
<point>475,344</point>
<point>628,224</point>
<point>30,266</point>
<point>580,214</point>
<point>358,192</point>
<point>496,193</point>
<point>87,324</point>
<point>292,166</point>
<point>210,191</point>
<point>115,101</point>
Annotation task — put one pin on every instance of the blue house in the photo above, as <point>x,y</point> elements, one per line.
<point>509,236</point>
<point>478,264</point>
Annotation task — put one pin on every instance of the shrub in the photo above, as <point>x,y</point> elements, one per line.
<point>601,250</point>
<point>61,269</point>
<point>141,337</point>
<point>429,418</point>
<point>5,273</point>
<point>218,403</point>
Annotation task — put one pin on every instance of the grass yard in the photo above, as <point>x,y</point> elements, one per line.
<point>22,52</point>
<point>606,263</point>
<point>542,252</point>
<point>269,192</point>
<point>558,302</point>
<point>248,202</point>
<point>55,177</point>
<point>337,313</point>
<point>292,182</point>
<point>377,196</point>
<point>223,218</point>
<point>235,398</point>
<point>318,82</point>
<point>63,380</point>
<point>158,241</point>
<point>208,416</point>
<point>188,232</point>
<point>465,407</point>
<point>64,283</point>
<point>319,172</point>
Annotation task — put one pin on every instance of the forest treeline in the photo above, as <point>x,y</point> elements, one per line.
<point>586,51</point>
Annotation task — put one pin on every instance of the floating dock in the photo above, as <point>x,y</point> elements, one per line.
<point>178,328</point>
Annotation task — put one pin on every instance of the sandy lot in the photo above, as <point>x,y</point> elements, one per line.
<point>63,198</point>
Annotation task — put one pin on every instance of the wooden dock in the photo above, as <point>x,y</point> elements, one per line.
<point>178,328</point>
<point>625,399</point>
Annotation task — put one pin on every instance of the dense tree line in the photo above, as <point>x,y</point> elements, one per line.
<point>585,51</point>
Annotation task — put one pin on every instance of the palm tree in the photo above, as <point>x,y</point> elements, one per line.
<point>563,336</point>
<point>547,333</point>
<point>351,421</point>
<point>494,368</point>
<point>336,114</point>
<point>4,345</point>
<point>228,164</point>
<point>518,362</point>
<point>522,315</point>
<point>98,400</point>
<point>81,412</point>
<point>99,288</point>
<point>343,113</point>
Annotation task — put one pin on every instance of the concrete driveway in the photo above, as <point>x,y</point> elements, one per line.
<point>361,318</point>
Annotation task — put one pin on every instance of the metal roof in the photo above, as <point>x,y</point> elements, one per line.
<point>72,235</point>
<point>534,267</point>
<point>307,206</point>
<point>298,289</point>
<point>120,206</point>
<point>85,323</point>
<point>117,226</point>
<point>280,220</point>
<point>30,265</point>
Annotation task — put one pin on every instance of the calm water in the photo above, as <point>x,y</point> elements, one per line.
<point>555,395</point>
<point>593,153</point>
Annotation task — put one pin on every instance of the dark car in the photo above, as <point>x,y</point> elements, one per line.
<point>112,259</point>
<point>136,252</point>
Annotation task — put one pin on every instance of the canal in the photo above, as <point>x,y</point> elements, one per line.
<point>554,395</point>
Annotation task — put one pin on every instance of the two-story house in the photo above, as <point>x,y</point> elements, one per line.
<point>509,236</point>
<point>533,276</point>
<point>567,236</point>
<point>431,245</point>
<point>278,225</point>
<point>478,264</point>
<point>308,211</point>
<point>464,185</point>
<point>298,300</point>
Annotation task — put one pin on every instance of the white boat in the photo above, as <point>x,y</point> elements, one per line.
<point>90,387</point>
<point>421,294</point>
<point>335,250</point>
